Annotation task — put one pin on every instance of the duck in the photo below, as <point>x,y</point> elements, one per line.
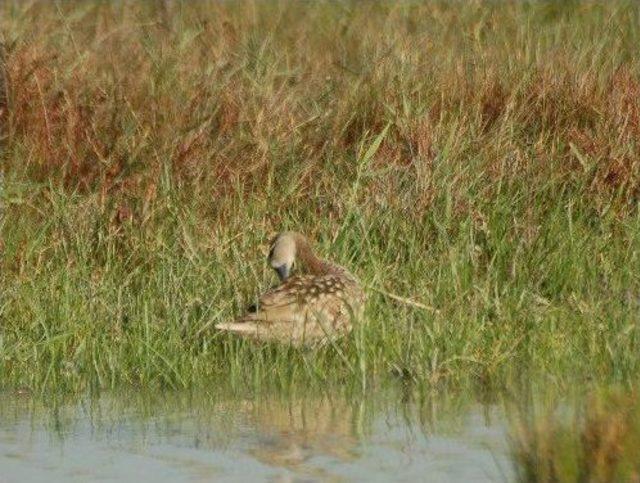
<point>319,304</point>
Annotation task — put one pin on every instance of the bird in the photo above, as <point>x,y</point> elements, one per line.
<point>319,305</point>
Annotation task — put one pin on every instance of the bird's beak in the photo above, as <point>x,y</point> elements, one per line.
<point>283,272</point>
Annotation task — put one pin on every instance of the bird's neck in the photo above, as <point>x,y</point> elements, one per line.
<point>312,264</point>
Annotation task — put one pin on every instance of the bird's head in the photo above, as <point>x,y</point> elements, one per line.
<point>282,255</point>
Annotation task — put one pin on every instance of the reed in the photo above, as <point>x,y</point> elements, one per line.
<point>592,440</point>
<point>476,167</point>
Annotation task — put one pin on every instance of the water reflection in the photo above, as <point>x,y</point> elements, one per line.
<point>328,436</point>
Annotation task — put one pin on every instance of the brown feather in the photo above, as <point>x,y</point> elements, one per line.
<point>305,309</point>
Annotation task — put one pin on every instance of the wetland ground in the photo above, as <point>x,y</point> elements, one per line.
<point>474,164</point>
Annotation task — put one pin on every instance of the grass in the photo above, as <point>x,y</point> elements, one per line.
<point>594,441</point>
<point>480,161</point>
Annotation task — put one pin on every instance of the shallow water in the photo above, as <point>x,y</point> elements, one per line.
<point>266,438</point>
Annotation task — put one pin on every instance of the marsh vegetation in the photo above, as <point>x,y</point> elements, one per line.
<point>475,166</point>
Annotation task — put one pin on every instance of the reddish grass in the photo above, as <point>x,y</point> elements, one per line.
<point>102,97</point>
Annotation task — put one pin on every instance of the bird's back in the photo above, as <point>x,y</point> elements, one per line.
<point>304,310</point>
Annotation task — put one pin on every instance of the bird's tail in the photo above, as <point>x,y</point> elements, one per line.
<point>247,325</point>
<point>242,326</point>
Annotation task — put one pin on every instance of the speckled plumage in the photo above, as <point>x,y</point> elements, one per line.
<point>307,309</point>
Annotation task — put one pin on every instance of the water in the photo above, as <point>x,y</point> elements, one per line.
<point>326,437</point>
